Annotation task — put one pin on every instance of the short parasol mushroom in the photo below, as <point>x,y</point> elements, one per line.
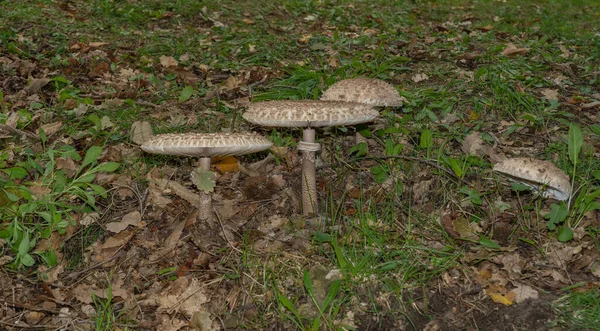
<point>205,146</point>
<point>370,91</point>
<point>308,114</point>
<point>539,175</point>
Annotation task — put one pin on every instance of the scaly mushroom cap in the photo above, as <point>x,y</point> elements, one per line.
<point>308,113</point>
<point>206,144</point>
<point>537,174</point>
<point>364,90</point>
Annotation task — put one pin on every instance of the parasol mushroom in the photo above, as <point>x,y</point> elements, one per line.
<point>370,91</point>
<point>205,146</point>
<point>308,114</point>
<point>539,175</point>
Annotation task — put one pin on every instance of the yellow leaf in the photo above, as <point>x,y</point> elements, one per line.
<point>499,294</point>
<point>225,164</point>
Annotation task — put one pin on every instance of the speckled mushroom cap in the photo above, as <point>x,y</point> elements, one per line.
<point>308,113</point>
<point>206,144</point>
<point>364,90</point>
<point>537,174</point>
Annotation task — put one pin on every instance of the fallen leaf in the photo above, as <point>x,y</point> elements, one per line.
<point>550,94</point>
<point>499,294</point>
<point>96,44</point>
<point>168,61</point>
<point>565,51</point>
<point>419,78</point>
<point>118,240</point>
<point>36,85</point>
<point>473,144</point>
<point>106,123</point>
<point>141,131</point>
<point>225,164</point>
<point>524,292</point>
<point>511,51</point>
<point>133,218</point>
<point>89,219</point>
<point>51,128</point>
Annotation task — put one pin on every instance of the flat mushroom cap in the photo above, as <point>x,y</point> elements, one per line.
<point>206,144</point>
<point>364,90</point>
<point>308,113</point>
<point>537,173</point>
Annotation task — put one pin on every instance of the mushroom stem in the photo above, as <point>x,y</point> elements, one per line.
<point>309,185</point>
<point>205,199</point>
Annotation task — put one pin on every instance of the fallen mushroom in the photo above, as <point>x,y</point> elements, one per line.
<point>539,175</point>
<point>369,91</point>
<point>308,114</point>
<point>206,145</point>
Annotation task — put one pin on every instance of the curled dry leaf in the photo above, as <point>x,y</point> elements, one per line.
<point>511,50</point>
<point>133,218</point>
<point>539,175</point>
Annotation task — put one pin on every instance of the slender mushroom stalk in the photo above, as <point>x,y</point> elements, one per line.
<point>309,181</point>
<point>206,145</point>
<point>204,199</point>
<point>308,114</point>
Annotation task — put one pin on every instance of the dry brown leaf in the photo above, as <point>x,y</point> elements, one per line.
<point>133,218</point>
<point>168,61</point>
<point>419,78</point>
<point>473,144</point>
<point>184,193</point>
<point>36,85</point>
<point>51,128</point>
<point>141,131</point>
<point>184,295</point>
<point>173,238</point>
<point>39,190</point>
<point>511,51</point>
<point>96,44</point>
<point>118,240</point>
<point>550,94</point>
<point>89,219</point>
<point>565,51</point>
<point>524,292</point>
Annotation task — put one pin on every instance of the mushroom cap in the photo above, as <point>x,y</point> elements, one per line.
<point>206,144</point>
<point>537,174</point>
<point>369,91</point>
<point>308,113</point>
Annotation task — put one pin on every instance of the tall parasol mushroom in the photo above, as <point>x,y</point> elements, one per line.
<point>205,146</point>
<point>308,114</point>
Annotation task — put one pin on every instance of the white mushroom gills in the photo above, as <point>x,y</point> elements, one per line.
<point>206,145</point>
<point>539,175</point>
<point>308,114</point>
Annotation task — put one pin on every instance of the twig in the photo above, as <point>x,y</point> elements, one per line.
<point>16,131</point>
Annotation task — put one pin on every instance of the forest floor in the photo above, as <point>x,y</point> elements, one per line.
<point>415,230</point>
